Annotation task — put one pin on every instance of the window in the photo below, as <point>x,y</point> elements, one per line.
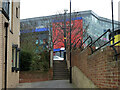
<point>17,12</point>
<point>15,58</point>
<point>94,19</point>
<point>10,16</point>
<point>5,7</point>
<point>18,60</point>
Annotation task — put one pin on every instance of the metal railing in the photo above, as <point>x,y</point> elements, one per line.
<point>116,53</point>
<point>85,42</point>
<point>78,42</point>
<point>82,43</point>
<point>91,44</point>
<point>98,42</point>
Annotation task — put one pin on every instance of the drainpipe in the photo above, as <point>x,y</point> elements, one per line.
<point>6,35</point>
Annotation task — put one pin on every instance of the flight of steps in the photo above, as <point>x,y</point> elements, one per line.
<point>60,71</point>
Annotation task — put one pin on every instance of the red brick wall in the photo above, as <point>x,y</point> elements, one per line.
<point>100,67</point>
<point>35,76</point>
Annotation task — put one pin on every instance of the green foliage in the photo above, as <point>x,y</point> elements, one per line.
<point>40,62</point>
<point>34,61</point>
<point>26,60</point>
<point>39,55</point>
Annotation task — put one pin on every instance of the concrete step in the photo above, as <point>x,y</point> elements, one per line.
<point>60,70</point>
<point>60,73</point>
<point>59,63</point>
<point>60,78</point>
<point>61,66</point>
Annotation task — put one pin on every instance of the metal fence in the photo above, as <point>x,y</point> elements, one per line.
<point>92,44</point>
<point>116,53</point>
<point>97,41</point>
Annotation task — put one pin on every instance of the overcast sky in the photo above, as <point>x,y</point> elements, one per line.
<point>37,8</point>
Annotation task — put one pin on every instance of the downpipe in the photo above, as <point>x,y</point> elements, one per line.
<point>6,39</point>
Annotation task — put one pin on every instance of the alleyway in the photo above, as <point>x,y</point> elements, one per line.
<point>48,84</point>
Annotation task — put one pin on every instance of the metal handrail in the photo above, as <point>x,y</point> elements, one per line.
<point>116,54</point>
<point>73,42</point>
<point>77,42</point>
<point>86,40</point>
<point>90,42</point>
<point>103,44</point>
<point>115,43</point>
<point>101,36</point>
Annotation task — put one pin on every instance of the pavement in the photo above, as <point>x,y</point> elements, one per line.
<point>48,84</point>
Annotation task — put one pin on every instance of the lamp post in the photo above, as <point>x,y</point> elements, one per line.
<point>65,33</point>
<point>70,47</point>
<point>112,20</point>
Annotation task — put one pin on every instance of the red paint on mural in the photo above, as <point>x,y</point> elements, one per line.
<point>76,34</point>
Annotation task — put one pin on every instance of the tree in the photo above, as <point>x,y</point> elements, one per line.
<point>30,43</point>
<point>77,30</point>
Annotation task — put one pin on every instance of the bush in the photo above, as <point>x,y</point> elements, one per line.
<point>26,60</point>
<point>40,62</point>
<point>34,61</point>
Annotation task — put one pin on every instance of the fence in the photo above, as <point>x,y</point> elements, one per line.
<point>91,44</point>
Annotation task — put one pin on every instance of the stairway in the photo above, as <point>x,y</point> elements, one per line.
<point>60,71</point>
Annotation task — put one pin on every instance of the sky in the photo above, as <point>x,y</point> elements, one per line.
<point>38,8</point>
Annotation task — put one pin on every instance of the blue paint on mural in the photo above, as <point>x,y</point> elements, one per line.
<point>34,30</point>
<point>76,18</point>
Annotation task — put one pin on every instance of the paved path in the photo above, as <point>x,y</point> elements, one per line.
<point>48,84</point>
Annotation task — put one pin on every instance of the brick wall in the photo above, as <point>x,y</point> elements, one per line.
<point>13,77</point>
<point>13,38</point>
<point>1,51</point>
<point>100,67</point>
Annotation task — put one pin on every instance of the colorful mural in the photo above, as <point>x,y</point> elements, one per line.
<point>58,32</point>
